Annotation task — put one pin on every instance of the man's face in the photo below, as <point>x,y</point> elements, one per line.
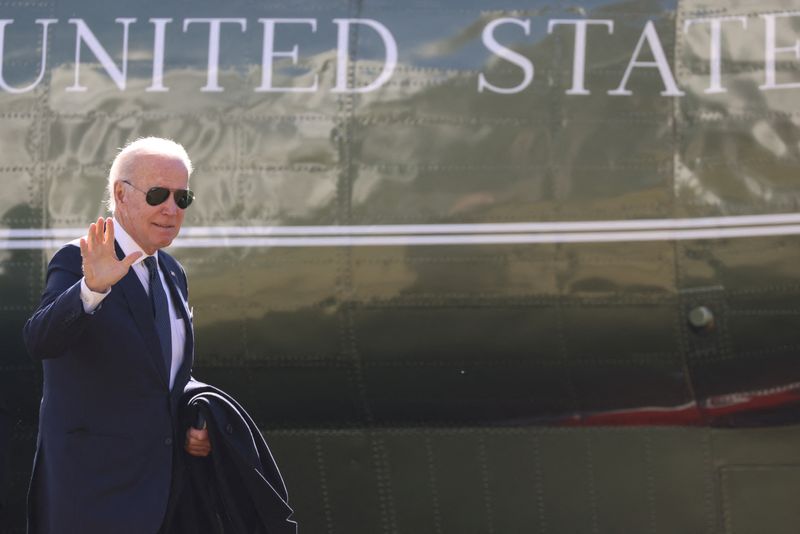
<point>152,227</point>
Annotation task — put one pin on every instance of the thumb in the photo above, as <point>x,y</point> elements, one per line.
<point>132,257</point>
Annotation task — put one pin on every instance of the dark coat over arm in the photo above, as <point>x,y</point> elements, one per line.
<point>238,488</point>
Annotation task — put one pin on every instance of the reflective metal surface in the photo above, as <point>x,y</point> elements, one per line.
<point>487,382</point>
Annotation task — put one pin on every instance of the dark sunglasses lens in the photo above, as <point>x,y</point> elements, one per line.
<point>183,198</point>
<point>157,195</point>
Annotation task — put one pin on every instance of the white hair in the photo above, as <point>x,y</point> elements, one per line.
<point>144,145</point>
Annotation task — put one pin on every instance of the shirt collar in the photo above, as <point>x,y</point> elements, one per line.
<point>127,243</point>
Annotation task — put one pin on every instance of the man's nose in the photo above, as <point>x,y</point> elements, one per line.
<point>169,207</point>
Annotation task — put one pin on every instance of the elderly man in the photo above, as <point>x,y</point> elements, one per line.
<point>114,334</point>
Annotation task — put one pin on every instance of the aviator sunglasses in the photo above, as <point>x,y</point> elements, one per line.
<point>156,195</point>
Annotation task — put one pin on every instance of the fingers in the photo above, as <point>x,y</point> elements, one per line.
<point>131,258</point>
<point>197,434</point>
<point>90,237</point>
<point>108,236</point>
<point>201,452</point>
<point>94,236</point>
<point>100,234</point>
<point>197,442</point>
<point>98,231</point>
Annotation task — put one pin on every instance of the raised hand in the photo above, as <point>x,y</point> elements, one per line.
<point>101,268</point>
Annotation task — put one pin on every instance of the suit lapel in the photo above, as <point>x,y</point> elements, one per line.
<point>141,310</point>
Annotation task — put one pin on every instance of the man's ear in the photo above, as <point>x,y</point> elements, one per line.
<point>119,193</point>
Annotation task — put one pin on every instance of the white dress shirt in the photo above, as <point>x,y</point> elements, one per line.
<point>92,299</point>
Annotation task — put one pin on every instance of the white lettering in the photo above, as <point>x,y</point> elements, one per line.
<point>507,54</point>
<point>343,55</point>
<point>212,79</point>
<point>715,54</point>
<point>649,34</point>
<point>269,53</point>
<point>84,34</point>
<point>771,50</point>
<point>579,58</point>
<point>3,85</point>
<point>158,56</point>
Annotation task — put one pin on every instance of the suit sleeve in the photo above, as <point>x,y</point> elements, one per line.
<point>60,319</point>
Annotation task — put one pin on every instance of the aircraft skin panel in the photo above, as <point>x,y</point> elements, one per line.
<point>473,266</point>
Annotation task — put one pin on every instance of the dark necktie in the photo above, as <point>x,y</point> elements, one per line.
<point>158,300</point>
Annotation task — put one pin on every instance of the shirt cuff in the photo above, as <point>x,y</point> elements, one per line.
<point>91,299</point>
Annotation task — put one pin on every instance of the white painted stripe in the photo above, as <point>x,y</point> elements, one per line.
<point>488,239</point>
<point>27,233</point>
<point>422,240</point>
<point>494,228</point>
<point>440,229</point>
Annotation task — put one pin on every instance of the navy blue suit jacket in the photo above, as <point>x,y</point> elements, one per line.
<point>107,427</point>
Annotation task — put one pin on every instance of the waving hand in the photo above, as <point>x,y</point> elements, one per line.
<point>101,268</point>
